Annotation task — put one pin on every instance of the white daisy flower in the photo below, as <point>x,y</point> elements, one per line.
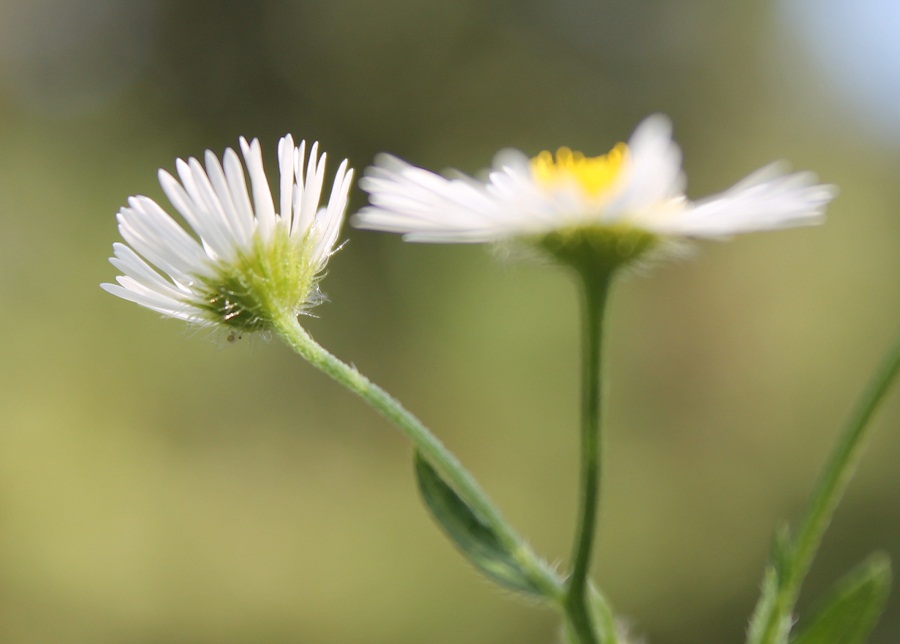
<point>622,203</point>
<point>244,265</point>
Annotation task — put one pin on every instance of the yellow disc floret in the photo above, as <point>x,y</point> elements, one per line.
<point>593,174</point>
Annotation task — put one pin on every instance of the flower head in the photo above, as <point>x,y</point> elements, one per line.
<point>245,265</point>
<point>613,208</point>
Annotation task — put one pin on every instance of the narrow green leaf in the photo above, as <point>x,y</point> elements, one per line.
<point>764,623</point>
<point>477,541</point>
<point>783,553</point>
<point>850,612</point>
<point>763,616</point>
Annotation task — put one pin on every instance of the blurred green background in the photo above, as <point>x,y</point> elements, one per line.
<point>159,485</point>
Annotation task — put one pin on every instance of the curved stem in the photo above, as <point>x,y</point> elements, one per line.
<point>426,443</point>
<point>577,597</point>
<point>829,490</point>
<point>841,466</point>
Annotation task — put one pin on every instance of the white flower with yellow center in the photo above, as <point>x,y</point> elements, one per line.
<point>246,265</point>
<point>618,205</point>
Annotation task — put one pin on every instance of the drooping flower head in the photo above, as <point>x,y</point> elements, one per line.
<point>602,212</point>
<point>245,264</point>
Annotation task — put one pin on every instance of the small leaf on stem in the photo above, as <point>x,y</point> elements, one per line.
<point>850,612</point>
<point>470,533</point>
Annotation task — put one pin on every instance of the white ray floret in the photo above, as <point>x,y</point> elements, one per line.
<point>242,262</point>
<point>639,187</point>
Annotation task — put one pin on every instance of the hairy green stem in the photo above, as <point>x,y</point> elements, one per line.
<point>594,296</point>
<point>427,444</point>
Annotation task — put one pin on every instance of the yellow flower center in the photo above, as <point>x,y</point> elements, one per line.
<point>593,174</point>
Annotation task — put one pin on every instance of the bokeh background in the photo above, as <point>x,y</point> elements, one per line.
<point>158,484</point>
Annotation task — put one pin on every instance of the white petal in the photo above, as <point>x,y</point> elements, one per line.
<point>174,310</point>
<point>204,212</point>
<point>412,200</point>
<point>131,264</point>
<point>156,236</point>
<point>312,188</point>
<point>763,201</point>
<point>262,196</point>
<point>237,185</point>
<point>241,226</point>
<point>652,172</point>
<point>286,153</point>
<point>332,216</point>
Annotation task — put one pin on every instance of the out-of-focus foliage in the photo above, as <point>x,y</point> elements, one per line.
<point>160,485</point>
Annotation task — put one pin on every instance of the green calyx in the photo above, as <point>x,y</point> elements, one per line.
<point>598,251</point>
<point>265,281</point>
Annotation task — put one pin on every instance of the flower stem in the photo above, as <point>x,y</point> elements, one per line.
<point>428,446</point>
<point>594,296</point>
<point>829,490</point>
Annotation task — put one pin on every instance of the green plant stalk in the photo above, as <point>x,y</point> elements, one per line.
<point>594,296</point>
<point>830,488</point>
<point>427,445</point>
